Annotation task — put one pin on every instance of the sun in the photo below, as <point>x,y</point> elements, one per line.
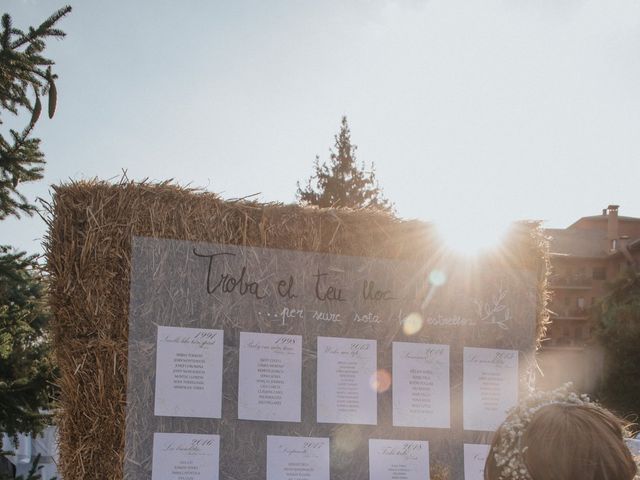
<point>471,234</point>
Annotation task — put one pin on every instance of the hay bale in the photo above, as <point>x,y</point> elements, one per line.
<point>89,261</point>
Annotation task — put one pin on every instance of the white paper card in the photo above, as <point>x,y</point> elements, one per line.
<point>270,377</point>
<point>421,395</point>
<point>297,458</point>
<point>398,460</point>
<point>189,372</point>
<point>475,456</point>
<point>346,370</point>
<point>490,387</point>
<point>185,456</point>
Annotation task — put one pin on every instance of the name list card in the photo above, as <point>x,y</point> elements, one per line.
<point>398,460</point>
<point>475,456</point>
<point>346,367</point>
<point>490,387</point>
<point>189,372</point>
<point>185,456</point>
<point>297,458</point>
<point>421,395</point>
<point>270,374</point>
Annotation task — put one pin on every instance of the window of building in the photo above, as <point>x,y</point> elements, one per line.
<point>599,273</point>
<point>579,333</point>
<point>581,304</point>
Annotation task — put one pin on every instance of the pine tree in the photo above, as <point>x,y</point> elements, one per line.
<point>617,325</point>
<point>25,76</point>
<point>340,182</point>
<point>25,368</point>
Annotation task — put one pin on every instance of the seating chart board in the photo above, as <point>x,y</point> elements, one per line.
<point>259,363</point>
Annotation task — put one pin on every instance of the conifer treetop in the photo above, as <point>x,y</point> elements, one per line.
<point>341,182</point>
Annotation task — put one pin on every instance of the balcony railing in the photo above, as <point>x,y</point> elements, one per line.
<point>575,312</point>
<point>564,343</point>
<point>570,281</point>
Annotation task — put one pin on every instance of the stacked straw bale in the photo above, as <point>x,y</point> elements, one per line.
<point>89,253</point>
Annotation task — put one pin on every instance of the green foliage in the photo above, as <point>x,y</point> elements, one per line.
<point>25,76</point>
<point>25,365</point>
<point>340,182</point>
<point>618,329</point>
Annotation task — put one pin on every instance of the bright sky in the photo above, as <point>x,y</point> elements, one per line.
<point>496,109</point>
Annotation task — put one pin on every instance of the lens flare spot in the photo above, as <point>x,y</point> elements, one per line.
<point>437,278</point>
<point>412,323</point>
<point>380,381</point>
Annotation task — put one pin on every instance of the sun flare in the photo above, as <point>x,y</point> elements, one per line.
<point>471,235</point>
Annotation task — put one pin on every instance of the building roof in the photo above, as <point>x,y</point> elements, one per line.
<point>587,242</point>
<point>603,218</point>
<point>592,236</point>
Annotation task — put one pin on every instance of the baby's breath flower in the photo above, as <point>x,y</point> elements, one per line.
<point>508,453</point>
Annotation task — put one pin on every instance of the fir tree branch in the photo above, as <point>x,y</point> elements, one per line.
<point>23,67</point>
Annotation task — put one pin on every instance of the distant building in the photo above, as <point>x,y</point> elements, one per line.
<point>584,256</point>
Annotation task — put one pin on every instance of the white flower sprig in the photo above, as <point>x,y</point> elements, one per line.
<point>509,453</point>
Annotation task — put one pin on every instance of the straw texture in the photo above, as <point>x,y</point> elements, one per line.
<point>89,253</point>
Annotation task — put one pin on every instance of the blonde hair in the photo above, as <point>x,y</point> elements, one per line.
<point>570,442</point>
